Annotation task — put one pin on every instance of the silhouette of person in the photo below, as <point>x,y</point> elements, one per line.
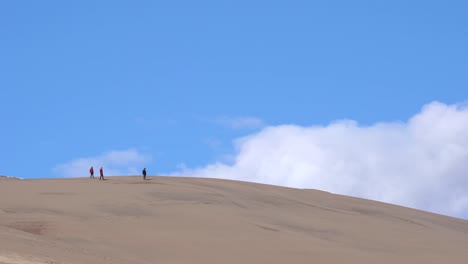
<point>144,173</point>
<point>91,173</point>
<point>101,171</point>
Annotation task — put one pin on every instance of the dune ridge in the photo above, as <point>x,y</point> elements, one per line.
<point>194,220</point>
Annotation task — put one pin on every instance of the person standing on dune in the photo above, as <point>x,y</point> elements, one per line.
<point>101,171</point>
<point>144,173</point>
<point>91,173</point>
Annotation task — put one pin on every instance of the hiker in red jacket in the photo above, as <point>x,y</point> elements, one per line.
<point>91,173</point>
<point>101,171</point>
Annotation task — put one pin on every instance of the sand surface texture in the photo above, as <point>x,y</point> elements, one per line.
<point>188,220</point>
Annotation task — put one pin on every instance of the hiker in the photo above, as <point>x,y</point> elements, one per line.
<point>101,171</point>
<point>91,173</point>
<point>144,173</point>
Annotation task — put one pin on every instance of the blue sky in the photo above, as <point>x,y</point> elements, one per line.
<point>178,81</point>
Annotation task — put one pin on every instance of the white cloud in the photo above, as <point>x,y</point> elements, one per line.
<point>421,163</point>
<point>241,122</point>
<point>125,162</point>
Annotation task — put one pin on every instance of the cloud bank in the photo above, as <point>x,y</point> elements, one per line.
<point>124,162</point>
<point>421,163</point>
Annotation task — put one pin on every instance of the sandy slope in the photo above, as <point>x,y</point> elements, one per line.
<point>186,220</point>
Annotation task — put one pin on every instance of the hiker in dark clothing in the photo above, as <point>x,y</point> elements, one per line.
<point>144,173</point>
<point>101,171</point>
<point>91,173</point>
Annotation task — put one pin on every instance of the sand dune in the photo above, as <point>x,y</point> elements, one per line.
<point>188,220</point>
